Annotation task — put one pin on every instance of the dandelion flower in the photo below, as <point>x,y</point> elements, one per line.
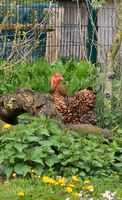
<point>62,184</point>
<point>14,175</point>
<point>52,181</point>
<point>6,126</point>
<point>74,178</point>
<point>33,171</point>
<point>61,181</point>
<point>49,180</point>
<point>86,181</point>
<point>45,179</point>
<point>21,194</point>
<point>90,188</point>
<point>69,189</point>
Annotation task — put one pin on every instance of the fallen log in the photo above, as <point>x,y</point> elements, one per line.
<point>88,129</point>
<point>34,103</point>
<point>26,101</point>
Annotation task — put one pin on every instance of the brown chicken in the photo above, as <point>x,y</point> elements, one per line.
<point>75,109</point>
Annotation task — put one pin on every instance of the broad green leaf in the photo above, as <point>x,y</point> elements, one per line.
<point>8,171</point>
<point>20,146</point>
<point>36,155</point>
<point>51,160</point>
<point>44,131</point>
<point>21,168</point>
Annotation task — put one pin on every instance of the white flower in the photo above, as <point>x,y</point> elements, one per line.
<point>58,177</point>
<point>80,194</point>
<point>109,195</point>
<point>68,198</point>
<point>113,194</point>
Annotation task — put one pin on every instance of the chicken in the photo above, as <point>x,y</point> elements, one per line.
<point>75,109</point>
<point>59,94</point>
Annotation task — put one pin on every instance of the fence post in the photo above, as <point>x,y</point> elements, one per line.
<point>92,33</point>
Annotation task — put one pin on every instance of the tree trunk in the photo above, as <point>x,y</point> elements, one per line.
<point>109,70</point>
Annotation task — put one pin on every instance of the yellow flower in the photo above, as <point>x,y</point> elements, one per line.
<point>71,185</point>
<point>45,179</point>
<point>33,171</point>
<point>61,181</point>
<point>6,183</point>
<point>90,188</point>
<point>49,180</point>
<point>6,125</point>
<point>76,194</point>
<point>62,184</point>
<point>56,183</point>
<point>69,189</point>
<point>52,181</point>
<point>86,181</point>
<point>14,175</point>
<point>74,178</point>
<point>21,194</point>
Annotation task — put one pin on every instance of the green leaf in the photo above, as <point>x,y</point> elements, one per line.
<point>21,168</point>
<point>119,130</point>
<point>20,146</point>
<point>8,171</point>
<point>39,169</point>
<point>97,164</point>
<point>51,160</point>
<point>1,158</point>
<point>32,138</point>
<point>36,155</point>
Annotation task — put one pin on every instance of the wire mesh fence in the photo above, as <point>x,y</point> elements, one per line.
<point>53,30</point>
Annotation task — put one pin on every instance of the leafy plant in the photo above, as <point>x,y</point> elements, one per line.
<point>40,144</point>
<point>36,75</point>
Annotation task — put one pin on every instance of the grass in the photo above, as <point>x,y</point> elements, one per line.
<point>35,189</point>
